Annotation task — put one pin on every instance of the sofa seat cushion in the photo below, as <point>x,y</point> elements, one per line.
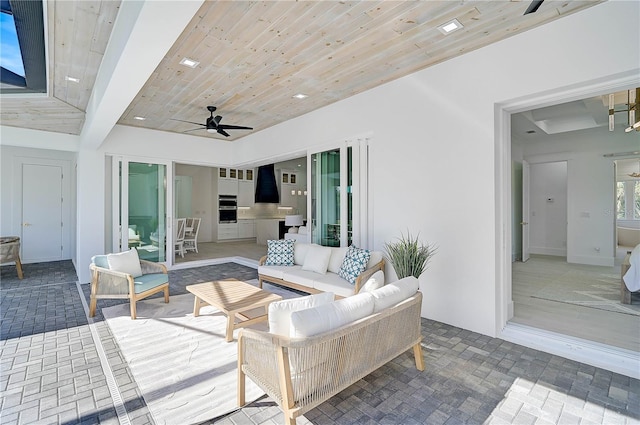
<point>277,271</point>
<point>326,317</point>
<point>395,292</point>
<point>300,277</point>
<point>149,281</point>
<point>333,283</point>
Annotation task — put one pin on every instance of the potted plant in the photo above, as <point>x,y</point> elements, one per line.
<point>409,256</point>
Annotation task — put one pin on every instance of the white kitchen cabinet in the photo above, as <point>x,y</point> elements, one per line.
<point>227,231</point>
<point>288,184</point>
<point>246,229</point>
<point>246,193</point>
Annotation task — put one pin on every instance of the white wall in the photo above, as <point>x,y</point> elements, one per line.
<point>548,205</point>
<point>429,132</point>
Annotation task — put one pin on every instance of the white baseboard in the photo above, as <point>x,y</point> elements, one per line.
<point>541,250</point>
<point>618,360</point>
<point>592,260</point>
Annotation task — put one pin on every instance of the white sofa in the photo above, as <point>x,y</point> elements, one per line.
<point>302,235</point>
<point>329,345</point>
<point>306,274</point>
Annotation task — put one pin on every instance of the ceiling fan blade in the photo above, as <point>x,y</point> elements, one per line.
<point>224,133</point>
<point>190,122</point>
<point>234,127</point>
<point>217,119</point>
<point>535,4</point>
<point>193,129</point>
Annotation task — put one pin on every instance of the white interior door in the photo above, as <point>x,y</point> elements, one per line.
<point>42,222</point>
<point>526,213</point>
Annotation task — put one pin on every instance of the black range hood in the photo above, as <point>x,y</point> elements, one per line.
<point>267,186</point>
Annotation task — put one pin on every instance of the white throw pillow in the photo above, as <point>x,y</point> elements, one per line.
<point>125,262</point>
<point>316,320</point>
<point>374,282</point>
<point>280,311</point>
<point>337,257</point>
<point>317,259</point>
<point>392,293</point>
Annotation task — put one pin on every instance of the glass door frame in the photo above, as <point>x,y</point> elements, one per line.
<point>358,190</point>
<point>120,203</point>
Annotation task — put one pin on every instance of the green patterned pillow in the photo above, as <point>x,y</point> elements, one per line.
<point>280,253</point>
<point>354,263</point>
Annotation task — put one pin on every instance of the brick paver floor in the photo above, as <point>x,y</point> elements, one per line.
<point>59,367</point>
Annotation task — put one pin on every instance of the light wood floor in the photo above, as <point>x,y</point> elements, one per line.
<point>530,278</point>
<point>211,250</point>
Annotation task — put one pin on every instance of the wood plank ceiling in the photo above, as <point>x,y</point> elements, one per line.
<point>254,56</point>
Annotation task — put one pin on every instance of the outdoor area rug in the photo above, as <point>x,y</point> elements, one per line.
<point>185,369</point>
<point>582,288</point>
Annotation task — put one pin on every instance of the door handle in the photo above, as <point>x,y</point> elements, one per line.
<point>524,223</point>
<point>26,224</point>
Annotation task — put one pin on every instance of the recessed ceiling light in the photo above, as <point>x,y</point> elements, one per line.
<point>531,131</point>
<point>72,79</point>
<point>189,62</point>
<point>139,118</point>
<point>450,27</point>
<point>300,96</point>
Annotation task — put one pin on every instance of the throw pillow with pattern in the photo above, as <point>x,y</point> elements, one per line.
<point>354,263</point>
<point>280,253</point>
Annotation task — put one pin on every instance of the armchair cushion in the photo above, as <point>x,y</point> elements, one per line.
<point>148,281</point>
<point>100,261</point>
<point>125,262</point>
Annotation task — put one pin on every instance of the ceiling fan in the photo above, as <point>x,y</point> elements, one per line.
<point>213,124</point>
<point>535,4</point>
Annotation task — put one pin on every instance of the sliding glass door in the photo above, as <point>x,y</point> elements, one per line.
<point>141,208</point>
<point>339,195</point>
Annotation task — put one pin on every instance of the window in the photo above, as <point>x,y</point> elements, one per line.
<point>628,200</point>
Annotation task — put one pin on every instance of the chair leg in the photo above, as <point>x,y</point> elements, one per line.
<point>166,295</point>
<point>19,268</point>
<point>92,307</point>
<point>417,353</point>
<point>133,309</point>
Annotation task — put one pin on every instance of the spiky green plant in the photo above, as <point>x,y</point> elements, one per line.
<point>408,256</point>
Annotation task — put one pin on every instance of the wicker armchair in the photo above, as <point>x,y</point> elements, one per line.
<point>301,373</point>
<point>106,283</point>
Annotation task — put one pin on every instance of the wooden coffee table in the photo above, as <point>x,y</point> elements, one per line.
<point>235,299</point>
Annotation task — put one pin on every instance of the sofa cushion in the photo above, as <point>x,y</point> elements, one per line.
<point>392,293</point>
<point>100,261</point>
<point>280,252</point>
<point>376,257</point>
<point>125,262</point>
<point>374,282</point>
<point>355,262</point>
<point>280,311</point>
<point>276,271</point>
<point>331,282</point>
<point>316,320</point>
<point>300,250</point>
<point>317,259</point>
<point>337,257</point>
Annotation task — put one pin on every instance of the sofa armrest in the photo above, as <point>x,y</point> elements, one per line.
<point>365,275</point>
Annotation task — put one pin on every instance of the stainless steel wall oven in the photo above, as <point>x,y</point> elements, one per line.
<point>227,209</point>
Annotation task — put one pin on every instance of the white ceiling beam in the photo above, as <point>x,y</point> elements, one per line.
<point>143,33</point>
